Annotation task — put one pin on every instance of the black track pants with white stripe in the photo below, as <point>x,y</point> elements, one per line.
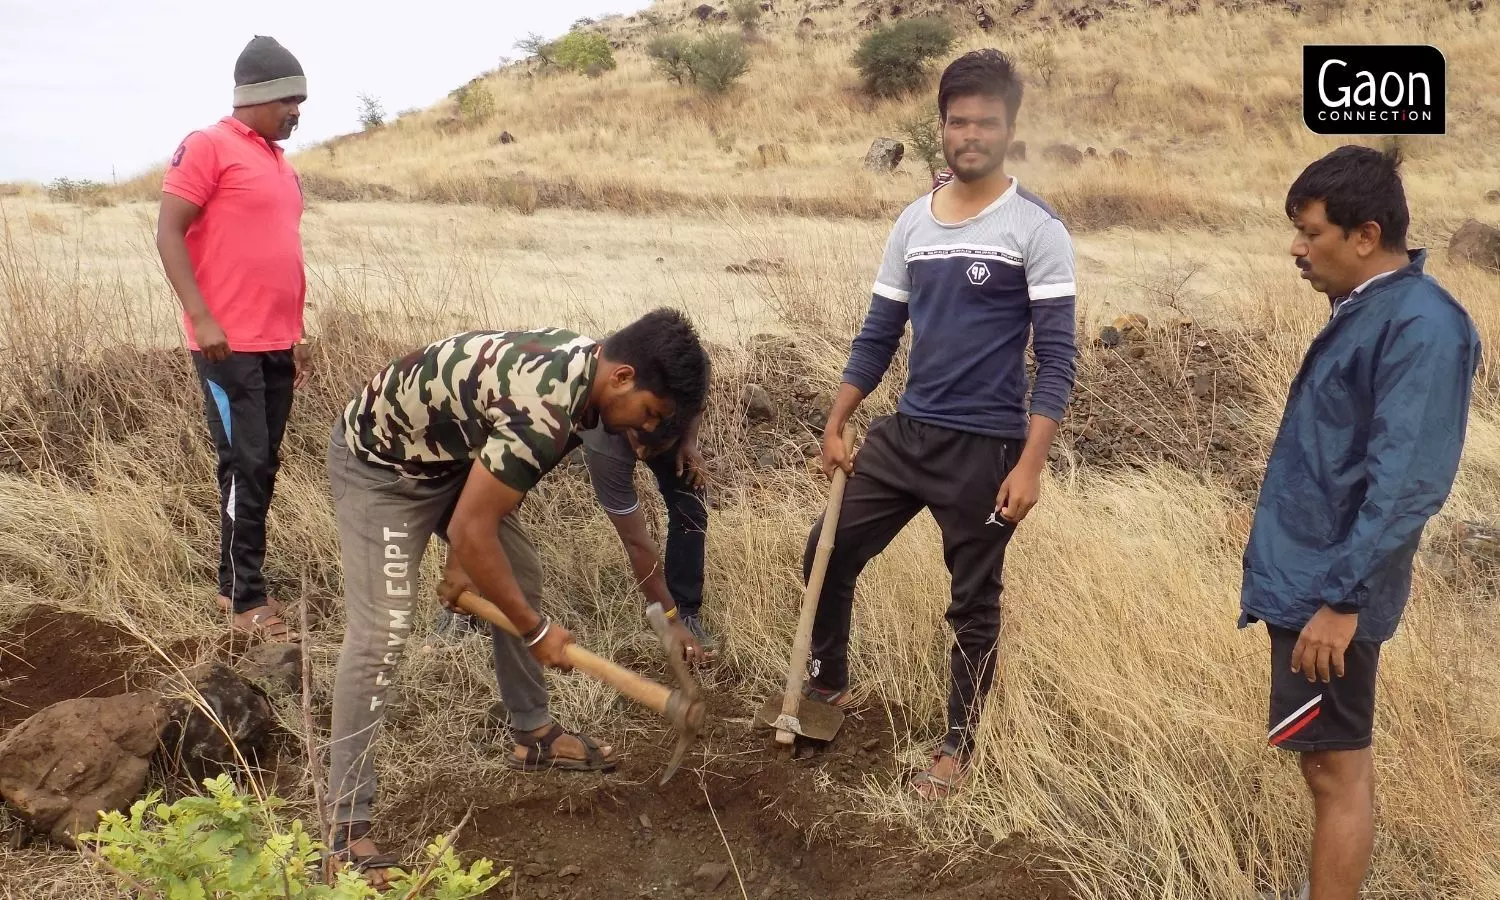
<point>247,400</point>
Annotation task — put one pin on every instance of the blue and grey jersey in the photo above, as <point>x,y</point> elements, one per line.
<point>974,292</point>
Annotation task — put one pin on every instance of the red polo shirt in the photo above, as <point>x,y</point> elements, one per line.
<point>246,245</point>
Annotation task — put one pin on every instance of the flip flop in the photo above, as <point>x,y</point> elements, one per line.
<point>539,753</point>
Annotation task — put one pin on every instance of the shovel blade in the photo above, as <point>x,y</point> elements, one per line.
<point>816,720</point>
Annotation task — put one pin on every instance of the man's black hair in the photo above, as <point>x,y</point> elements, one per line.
<point>985,73</point>
<point>1357,185</point>
<point>669,360</point>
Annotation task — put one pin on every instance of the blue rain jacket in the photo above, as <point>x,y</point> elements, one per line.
<point>1367,452</point>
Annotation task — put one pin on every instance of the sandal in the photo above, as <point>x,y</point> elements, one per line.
<point>338,856</point>
<point>539,753</point>
<point>265,623</point>
<point>840,697</point>
<point>941,787</point>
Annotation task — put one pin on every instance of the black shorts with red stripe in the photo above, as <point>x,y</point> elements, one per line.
<point>1308,716</point>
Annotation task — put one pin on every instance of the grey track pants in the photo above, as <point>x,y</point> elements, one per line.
<point>385,521</point>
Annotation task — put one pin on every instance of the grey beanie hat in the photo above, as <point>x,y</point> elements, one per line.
<point>266,71</point>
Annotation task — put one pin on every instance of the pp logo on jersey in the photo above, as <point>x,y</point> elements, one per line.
<point>979,273</point>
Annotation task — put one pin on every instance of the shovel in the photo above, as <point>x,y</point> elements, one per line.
<point>681,706</point>
<point>791,713</point>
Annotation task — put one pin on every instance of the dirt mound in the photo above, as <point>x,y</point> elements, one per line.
<point>1154,394</point>
<point>779,826</point>
<point>1165,396</point>
<point>48,656</point>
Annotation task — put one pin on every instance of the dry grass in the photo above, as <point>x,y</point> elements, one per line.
<point>1126,734</point>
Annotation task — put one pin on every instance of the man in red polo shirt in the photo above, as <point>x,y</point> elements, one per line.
<point>229,235</point>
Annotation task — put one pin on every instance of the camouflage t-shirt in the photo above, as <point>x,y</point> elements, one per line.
<point>511,399</point>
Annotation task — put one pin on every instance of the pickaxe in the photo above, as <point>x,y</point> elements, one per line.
<point>682,706</point>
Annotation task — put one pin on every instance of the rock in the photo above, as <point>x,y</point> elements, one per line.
<point>1132,326</point>
<point>192,739</point>
<point>274,668</point>
<point>1120,156</point>
<point>1136,352</point>
<point>535,870</point>
<point>73,760</point>
<point>645,821</point>
<point>506,138</point>
<point>1492,196</point>
<point>709,876</point>
<point>569,872</point>
<point>871,745</point>
<point>884,155</point>
<point>822,408</point>
<point>1091,153</point>
<point>703,12</point>
<point>766,459</point>
<point>1476,243</point>
<point>757,403</point>
<point>772,154</point>
<point>1017,151</point>
<point>1066,154</point>
<point>1109,336</point>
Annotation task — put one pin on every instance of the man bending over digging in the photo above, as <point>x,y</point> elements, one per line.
<point>447,441</point>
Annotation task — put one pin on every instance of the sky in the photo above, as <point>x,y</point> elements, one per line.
<point>105,89</point>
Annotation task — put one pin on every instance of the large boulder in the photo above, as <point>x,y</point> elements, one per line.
<point>73,760</point>
<point>217,721</point>
<point>884,155</point>
<point>1477,243</point>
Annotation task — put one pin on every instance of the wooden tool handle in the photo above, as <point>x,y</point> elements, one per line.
<point>802,643</point>
<point>642,690</point>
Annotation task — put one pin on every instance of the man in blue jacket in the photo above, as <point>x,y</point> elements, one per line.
<point>1367,452</point>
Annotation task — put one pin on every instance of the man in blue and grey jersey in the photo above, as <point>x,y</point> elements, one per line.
<point>977,266</point>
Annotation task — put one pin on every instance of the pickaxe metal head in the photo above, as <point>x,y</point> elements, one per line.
<point>685,709</point>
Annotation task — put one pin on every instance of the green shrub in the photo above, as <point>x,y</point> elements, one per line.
<point>718,61</point>
<point>895,60</point>
<point>584,52</point>
<point>924,138</point>
<point>475,103</point>
<point>746,13</point>
<point>671,55</point>
<point>230,845</point>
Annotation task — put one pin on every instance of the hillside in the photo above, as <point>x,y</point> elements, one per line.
<point>1213,126</point>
